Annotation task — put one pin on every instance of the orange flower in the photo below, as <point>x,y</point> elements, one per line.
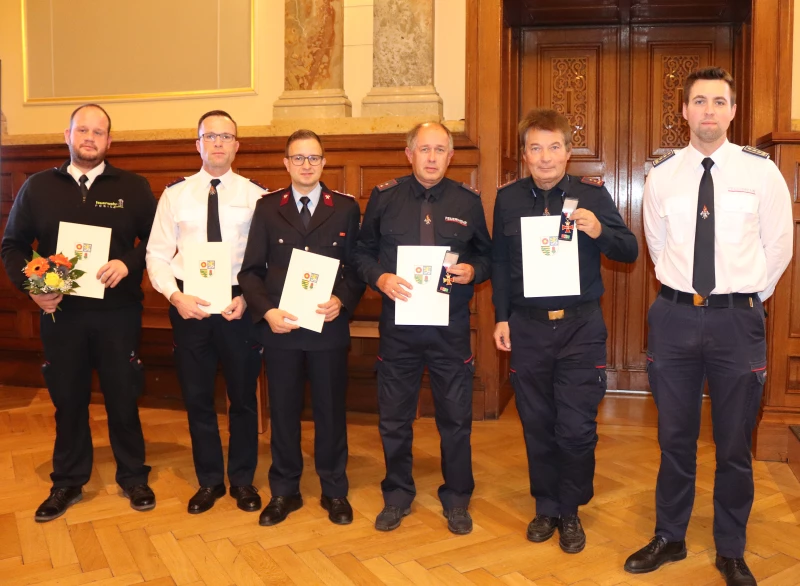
<point>61,261</point>
<point>38,267</point>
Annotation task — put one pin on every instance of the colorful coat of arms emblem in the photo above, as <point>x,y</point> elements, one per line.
<point>549,245</point>
<point>83,249</point>
<point>207,268</point>
<point>309,280</point>
<point>422,273</point>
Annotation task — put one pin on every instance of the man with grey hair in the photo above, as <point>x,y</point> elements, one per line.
<point>425,208</point>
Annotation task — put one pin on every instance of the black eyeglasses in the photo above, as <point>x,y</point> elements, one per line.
<point>212,137</point>
<point>298,160</point>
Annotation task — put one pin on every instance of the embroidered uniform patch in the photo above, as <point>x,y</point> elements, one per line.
<point>455,220</point>
<point>754,151</point>
<point>663,158</point>
<point>596,181</point>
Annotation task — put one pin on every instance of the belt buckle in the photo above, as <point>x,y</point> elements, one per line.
<point>557,314</point>
<point>699,300</point>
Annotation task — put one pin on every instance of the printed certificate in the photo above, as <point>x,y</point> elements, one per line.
<point>421,266</point>
<point>550,265</point>
<point>309,281</point>
<point>207,274</point>
<point>91,244</point>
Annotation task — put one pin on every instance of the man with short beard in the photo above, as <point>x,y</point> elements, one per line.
<point>718,222</point>
<point>101,334</point>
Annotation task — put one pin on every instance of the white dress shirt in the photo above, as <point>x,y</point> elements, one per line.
<point>91,174</point>
<point>181,219</point>
<point>753,226</point>
<point>312,195</point>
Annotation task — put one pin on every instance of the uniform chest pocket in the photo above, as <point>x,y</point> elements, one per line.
<point>238,215</point>
<point>679,214</point>
<point>451,230</point>
<point>394,230</point>
<point>737,214</point>
<point>190,220</point>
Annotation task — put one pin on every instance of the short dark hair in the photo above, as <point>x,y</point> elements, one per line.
<point>98,106</point>
<point>221,113</point>
<point>303,134</point>
<point>708,73</point>
<point>544,119</point>
<point>411,136</point>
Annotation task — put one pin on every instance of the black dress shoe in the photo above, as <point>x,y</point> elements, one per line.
<point>205,498</point>
<point>246,497</point>
<point>390,518</point>
<point>279,508</point>
<point>655,554</point>
<point>735,571</point>
<point>58,502</point>
<point>542,528</point>
<point>458,520</point>
<point>141,497</point>
<point>572,538</point>
<point>339,510</point>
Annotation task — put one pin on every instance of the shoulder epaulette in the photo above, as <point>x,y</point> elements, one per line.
<point>343,194</point>
<point>595,181</point>
<point>754,151</point>
<point>387,185</point>
<point>471,189</point>
<point>257,184</point>
<point>175,182</point>
<point>273,192</point>
<point>663,158</point>
<point>507,183</point>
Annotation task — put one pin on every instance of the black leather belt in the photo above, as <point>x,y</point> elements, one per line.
<point>236,290</point>
<point>729,300</point>
<point>550,315</point>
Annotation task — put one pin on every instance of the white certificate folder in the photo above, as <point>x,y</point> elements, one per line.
<point>309,282</point>
<point>421,266</point>
<point>207,274</point>
<point>91,245</point>
<point>550,266</point>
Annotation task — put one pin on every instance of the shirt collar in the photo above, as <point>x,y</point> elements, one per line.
<point>719,156</point>
<point>312,195</point>
<point>225,180</point>
<point>91,174</point>
<point>418,189</point>
<point>562,186</point>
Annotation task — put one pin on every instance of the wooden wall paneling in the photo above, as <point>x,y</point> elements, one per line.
<point>781,400</point>
<point>661,59</point>
<point>485,87</point>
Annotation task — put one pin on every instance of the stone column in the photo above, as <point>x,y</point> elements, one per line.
<point>402,61</point>
<point>313,61</point>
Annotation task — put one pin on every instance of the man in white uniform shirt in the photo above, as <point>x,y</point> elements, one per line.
<point>214,205</point>
<point>718,222</point>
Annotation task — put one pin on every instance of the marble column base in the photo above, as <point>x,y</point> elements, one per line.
<point>416,100</point>
<point>312,104</point>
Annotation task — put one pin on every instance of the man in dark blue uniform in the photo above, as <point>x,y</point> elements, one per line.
<point>558,359</point>
<point>426,209</point>
<point>304,216</point>
<point>718,222</point>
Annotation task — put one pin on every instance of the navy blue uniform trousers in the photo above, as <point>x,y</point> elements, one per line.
<point>327,372</point>
<point>200,345</point>
<point>108,341</point>
<point>686,346</point>
<point>559,378</point>
<point>404,353</point>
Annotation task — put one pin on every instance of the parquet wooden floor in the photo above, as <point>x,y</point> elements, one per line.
<point>102,541</point>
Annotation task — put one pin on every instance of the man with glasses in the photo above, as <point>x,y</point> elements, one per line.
<point>214,205</point>
<point>425,208</point>
<point>304,216</point>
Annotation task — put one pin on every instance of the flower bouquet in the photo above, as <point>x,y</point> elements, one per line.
<point>54,274</point>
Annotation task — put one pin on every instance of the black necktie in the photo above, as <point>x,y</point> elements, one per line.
<point>305,213</point>
<point>213,230</point>
<point>84,189</point>
<point>703,278</point>
<point>426,237</point>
